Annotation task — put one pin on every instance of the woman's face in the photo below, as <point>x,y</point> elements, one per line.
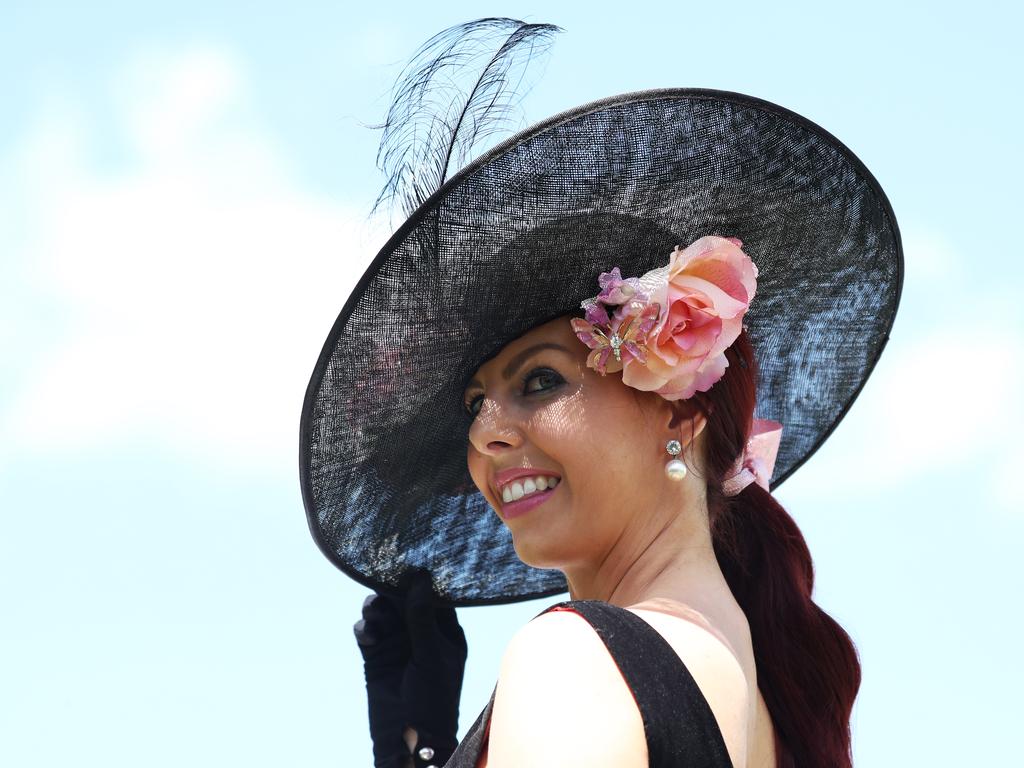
<point>539,407</point>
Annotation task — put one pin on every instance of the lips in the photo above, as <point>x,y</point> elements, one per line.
<point>527,486</point>
<point>515,483</point>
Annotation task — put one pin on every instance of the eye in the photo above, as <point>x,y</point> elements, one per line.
<point>548,378</point>
<point>541,374</point>
<point>469,405</point>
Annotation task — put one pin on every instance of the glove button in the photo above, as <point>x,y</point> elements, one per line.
<point>426,753</point>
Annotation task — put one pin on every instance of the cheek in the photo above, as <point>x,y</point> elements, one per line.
<point>561,436</point>
<point>614,448</point>
<point>595,438</point>
<point>477,470</point>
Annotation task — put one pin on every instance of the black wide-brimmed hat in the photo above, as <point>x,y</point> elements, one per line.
<point>519,237</point>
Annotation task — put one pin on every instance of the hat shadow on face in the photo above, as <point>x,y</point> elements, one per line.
<point>540,275</point>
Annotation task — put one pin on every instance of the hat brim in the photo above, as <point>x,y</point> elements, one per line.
<point>517,238</point>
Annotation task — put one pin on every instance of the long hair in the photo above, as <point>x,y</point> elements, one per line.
<point>807,665</point>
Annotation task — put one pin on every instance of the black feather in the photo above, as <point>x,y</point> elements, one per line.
<point>434,122</point>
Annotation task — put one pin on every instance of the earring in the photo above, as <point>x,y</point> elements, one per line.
<point>675,469</point>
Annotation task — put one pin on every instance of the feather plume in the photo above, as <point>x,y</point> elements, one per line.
<point>434,122</point>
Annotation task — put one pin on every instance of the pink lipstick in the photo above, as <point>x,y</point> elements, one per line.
<point>522,506</point>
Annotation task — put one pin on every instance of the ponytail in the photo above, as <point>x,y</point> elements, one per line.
<point>807,666</point>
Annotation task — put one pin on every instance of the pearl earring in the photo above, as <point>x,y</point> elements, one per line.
<point>675,469</point>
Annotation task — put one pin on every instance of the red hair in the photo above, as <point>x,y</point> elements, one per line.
<point>807,665</point>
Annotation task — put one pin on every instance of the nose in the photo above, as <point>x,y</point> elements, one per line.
<point>492,432</point>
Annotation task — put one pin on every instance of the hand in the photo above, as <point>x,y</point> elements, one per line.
<point>414,656</point>
<point>384,645</point>
<point>432,684</point>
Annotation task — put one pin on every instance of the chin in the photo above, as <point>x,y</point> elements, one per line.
<point>543,563</point>
<point>542,556</point>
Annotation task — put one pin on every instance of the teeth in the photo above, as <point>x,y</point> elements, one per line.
<point>518,488</point>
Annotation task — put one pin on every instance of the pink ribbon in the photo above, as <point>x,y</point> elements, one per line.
<point>758,459</point>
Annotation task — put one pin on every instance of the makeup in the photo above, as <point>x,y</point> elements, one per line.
<point>516,508</point>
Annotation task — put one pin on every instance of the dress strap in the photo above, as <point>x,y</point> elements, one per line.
<point>467,753</point>
<point>679,725</point>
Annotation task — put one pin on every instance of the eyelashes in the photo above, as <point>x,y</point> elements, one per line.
<point>542,374</point>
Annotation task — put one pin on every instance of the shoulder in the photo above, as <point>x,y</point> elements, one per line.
<point>561,700</point>
<point>729,685</point>
<point>704,648</point>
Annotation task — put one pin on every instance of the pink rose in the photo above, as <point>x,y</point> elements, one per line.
<point>706,290</point>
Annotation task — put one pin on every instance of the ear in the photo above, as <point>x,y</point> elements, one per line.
<point>683,420</point>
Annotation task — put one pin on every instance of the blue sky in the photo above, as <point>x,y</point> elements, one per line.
<point>183,200</point>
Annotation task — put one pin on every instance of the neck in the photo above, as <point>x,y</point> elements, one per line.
<point>670,555</point>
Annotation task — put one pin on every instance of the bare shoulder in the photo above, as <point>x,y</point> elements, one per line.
<point>716,667</point>
<point>561,700</point>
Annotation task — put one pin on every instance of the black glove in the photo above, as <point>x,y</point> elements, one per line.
<point>414,657</point>
<point>384,644</point>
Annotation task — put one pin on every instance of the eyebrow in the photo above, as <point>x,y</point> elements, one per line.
<point>518,360</point>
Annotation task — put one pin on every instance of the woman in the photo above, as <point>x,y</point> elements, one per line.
<point>602,302</point>
<point>623,535</point>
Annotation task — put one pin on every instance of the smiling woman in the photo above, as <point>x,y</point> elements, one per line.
<point>500,415</point>
<point>626,534</point>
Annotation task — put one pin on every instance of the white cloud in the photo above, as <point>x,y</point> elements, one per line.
<point>198,282</point>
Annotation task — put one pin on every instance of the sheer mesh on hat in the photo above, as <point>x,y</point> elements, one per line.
<point>518,238</point>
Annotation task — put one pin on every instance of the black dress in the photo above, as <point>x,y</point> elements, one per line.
<point>680,727</point>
